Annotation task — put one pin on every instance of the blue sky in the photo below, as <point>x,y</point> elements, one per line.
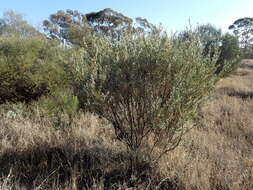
<point>173,14</point>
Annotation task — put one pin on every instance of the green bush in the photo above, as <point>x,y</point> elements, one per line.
<point>28,68</point>
<point>147,85</point>
<point>60,108</point>
<point>230,55</point>
<point>212,39</point>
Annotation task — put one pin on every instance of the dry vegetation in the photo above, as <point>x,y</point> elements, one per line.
<point>218,154</point>
<point>215,155</point>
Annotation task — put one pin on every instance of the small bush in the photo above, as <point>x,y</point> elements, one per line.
<point>61,108</point>
<point>147,86</point>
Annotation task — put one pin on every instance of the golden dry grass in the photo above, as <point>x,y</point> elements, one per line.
<point>215,155</point>
<point>218,154</point>
<point>33,155</point>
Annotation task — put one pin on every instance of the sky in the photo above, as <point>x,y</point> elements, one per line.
<point>174,15</point>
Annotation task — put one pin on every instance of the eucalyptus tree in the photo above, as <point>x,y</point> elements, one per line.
<point>243,28</point>
<point>13,23</point>
<point>72,26</point>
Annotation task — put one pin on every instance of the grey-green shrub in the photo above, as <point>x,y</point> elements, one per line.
<point>147,85</point>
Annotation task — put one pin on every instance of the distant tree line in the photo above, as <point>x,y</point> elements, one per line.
<point>71,25</point>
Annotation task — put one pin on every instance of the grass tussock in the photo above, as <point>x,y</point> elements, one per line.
<point>217,154</point>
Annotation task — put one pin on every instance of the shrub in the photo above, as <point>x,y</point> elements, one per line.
<point>212,39</point>
<point>146,85</point>
<point>28,68</point>
<point>230,54</point>
<point>60,108</point>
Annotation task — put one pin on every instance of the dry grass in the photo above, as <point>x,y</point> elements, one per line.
<point>216,155</point>
<point>36,156</point>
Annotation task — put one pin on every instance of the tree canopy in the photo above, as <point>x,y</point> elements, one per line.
<point>210,37</point>
<point>216,44</point>
<point>13,23</point>
<point>243,28</point>
<point>71,25</point>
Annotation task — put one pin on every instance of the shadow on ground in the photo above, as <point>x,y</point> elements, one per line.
<point>233,93</point>
<point>46,166</point>
<point>241,73</point>
<point>33,167</point>
<point>246,64</point>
